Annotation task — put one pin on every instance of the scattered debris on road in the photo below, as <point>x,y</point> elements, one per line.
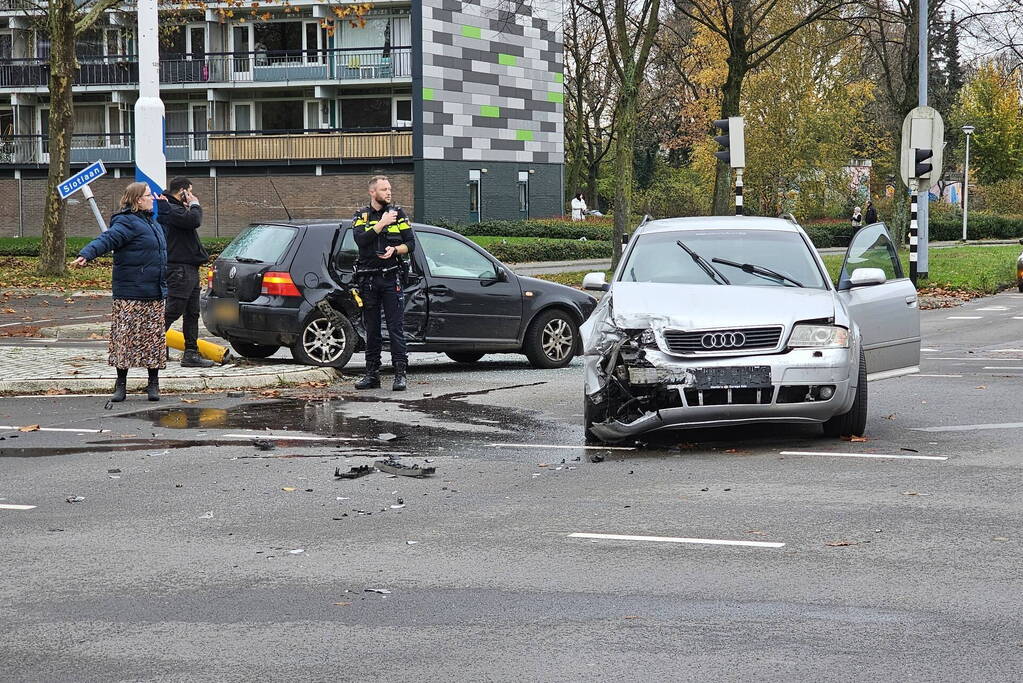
<point>264,444</point>
<point>403,470</point>
<point>75,499</point>
<point>381,591</point>
<point>353,473</point>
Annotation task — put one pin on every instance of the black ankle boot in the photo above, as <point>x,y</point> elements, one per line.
<point>153,388</point>
<point>192,359</point>
<point>371,380</point>
<point>399,377</point>
<point>120,386</point>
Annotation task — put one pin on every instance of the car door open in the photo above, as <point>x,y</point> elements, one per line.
<point>883,304</point>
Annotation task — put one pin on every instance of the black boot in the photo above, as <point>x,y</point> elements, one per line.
<point>192,359</point>
<point>399,377</point>
<point>153,388</point>
<point>120,386</point>
<point>371,380</point>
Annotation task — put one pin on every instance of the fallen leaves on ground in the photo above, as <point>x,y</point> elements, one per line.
<point>189,400</point>
<point>29,428</point>
<point>840,544</point>
<point>855,439</point>
<point>289,489</point>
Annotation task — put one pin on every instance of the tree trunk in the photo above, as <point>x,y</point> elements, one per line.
<point>63,66</point>
<point>623,163</point>
<point>724,198</point>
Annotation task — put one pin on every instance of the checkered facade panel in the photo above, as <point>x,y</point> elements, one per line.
<point>492,81</point>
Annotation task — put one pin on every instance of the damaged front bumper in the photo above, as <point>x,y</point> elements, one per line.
<point>632,387</point>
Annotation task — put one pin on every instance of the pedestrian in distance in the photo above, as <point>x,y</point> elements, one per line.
<point>384,237</point>
<point>871,216</point>
<point>857,218</point>
<point>139,288</point>
<point>180,214</point>
<point>578,207</point>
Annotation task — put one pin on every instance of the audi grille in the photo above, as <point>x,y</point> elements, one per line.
<point>693,342</point>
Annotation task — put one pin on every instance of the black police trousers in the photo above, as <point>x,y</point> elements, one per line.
<point>383,290</point>
<point>183,300</point>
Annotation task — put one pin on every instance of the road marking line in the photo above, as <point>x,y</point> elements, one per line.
<point>87,317</point>
<point>290,437</point>
<point>1017,317</point>
<point>1005,351</point>
<point>965,317</point>
<point>976,360</point>
<point>920,375</point>
<point>670,539</point>
<point>12,324</point>
<point>60,429</point>
<point>1001,367</point>
<point>44,320</point>
<point>6,506</point>
<point>544,445</point>
<point>930,350</point>
<point>865,455</point>
<point>992,308</point>
<point>969,428</point>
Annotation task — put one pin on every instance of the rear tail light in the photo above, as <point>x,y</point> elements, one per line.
<point>279,284</point>
<point>209,277</point>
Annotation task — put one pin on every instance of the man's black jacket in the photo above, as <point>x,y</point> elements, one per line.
<point>181,226</point>
<point>370,242</point>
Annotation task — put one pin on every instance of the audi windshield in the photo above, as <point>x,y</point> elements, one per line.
<point>768,258</point>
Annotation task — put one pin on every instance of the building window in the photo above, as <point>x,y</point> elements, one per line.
<point>403,113</point>
<point>524,192</point>
<point>282,115</point>
<point>366,112</point>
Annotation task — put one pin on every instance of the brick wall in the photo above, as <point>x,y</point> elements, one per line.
<point>448,195</point>
<point>229,202</point>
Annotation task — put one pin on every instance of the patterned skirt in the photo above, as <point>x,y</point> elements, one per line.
<point>137,335</point>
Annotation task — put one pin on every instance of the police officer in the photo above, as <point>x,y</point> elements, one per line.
<point>384,235</point>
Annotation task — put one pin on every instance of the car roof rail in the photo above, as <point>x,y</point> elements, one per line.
<point>789,217</point>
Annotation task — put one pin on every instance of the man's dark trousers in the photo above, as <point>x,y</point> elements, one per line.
<point>383,290</point>
<point>183,300</point>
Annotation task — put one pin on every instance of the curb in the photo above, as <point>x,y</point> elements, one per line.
<point>73,385</point>
<point>86,331</point>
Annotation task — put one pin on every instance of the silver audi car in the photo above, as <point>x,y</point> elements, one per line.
<point>718,321</point>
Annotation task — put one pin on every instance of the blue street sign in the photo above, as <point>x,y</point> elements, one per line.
<point>81,179</point>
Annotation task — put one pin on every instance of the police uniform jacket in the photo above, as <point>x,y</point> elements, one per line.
<point>370,243</point>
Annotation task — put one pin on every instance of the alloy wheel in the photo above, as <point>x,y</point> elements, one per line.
<point>557,339</point>
<point>323,341</point>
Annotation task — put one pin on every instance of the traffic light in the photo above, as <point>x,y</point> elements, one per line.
<point>733,142</point>
<point>922,169</point>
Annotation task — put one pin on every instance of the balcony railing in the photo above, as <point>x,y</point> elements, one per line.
<point>261,66</point>
<point>222,146</point>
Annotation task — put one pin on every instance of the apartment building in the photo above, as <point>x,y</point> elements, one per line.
<point>459,102</point>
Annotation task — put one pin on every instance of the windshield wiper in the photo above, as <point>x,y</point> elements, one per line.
<point>711,271</point>
<point>246,259</point>
<point>754,269</point>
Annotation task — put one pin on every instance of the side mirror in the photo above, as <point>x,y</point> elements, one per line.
<point>862,277</point>
<point>502,274</point>
<point>596,282</point>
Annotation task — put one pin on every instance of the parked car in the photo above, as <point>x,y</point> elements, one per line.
<point>734,320</point>
<point>1019,271</point>
<point>291,284</point>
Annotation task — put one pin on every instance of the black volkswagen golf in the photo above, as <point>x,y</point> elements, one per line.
<point>291,284</point>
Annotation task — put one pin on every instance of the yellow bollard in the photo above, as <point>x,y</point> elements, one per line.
<point>214,352</point>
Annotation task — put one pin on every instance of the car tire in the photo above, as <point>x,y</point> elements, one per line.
<point>854,422</point>
<point>325,343</point>
<point>592,413</point>
<point>464,356</point>
<point>551,339</point>
<point>247,350</point>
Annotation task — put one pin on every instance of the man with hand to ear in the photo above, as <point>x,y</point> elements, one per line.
<point>384,236</point>
<point>180,214</point>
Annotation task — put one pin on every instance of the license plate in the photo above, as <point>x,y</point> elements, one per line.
<point>753,377</point>
<point>225,312</point>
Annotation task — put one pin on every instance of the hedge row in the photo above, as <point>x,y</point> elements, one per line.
<point>29,246</point>
<point>546,249</point>
<point>535,228</point>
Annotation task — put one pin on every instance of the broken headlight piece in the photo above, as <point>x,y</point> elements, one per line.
<point>644,338</point>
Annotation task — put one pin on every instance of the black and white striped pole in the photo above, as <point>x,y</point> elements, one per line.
<point>914,187</point>
<point>738,191</point>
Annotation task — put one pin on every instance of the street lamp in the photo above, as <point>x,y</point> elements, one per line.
<point>966,176</point>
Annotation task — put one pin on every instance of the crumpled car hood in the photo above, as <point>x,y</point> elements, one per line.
<point>645,304</point>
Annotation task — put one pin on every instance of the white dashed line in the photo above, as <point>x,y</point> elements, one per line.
<point>61,429</point>
<point>992,308</point>
<point>87,317</point>
<point>970,428</point>
<point>1001,367</point>
<point>6,506</point>
<point>920,375</point>
<point>289,437</point>
<point>832,454</point>
<point>672,539</point>
<point>965,317</point>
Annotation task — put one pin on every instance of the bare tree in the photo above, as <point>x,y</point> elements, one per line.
<point>629,28</point>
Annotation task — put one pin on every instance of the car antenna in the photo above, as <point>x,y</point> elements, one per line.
<point>281,199</point>
<point>789,217</point>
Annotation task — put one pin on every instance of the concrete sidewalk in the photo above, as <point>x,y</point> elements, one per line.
<point>42,368</point>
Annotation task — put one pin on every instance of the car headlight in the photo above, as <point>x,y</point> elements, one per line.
<point>647,338</point>
<point>819,336</point>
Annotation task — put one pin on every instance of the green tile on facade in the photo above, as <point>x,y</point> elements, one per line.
<point>559,78</point>
<point>555,97</point>
<point>524,135</point>
<point>506,60</point>
<point>471,31</point>
<point>491,111</point>
<point>427,93</point>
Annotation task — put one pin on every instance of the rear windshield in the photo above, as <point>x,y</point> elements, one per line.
<point>266,243</point>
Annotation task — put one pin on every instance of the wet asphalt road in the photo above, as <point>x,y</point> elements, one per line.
<point>179,566</point>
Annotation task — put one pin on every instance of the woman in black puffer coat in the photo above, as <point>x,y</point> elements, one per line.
<point>139,288</point>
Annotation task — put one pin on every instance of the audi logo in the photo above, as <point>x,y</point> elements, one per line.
<point>723,340</point>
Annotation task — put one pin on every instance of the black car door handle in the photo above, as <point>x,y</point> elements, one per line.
<point>438,289</point>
